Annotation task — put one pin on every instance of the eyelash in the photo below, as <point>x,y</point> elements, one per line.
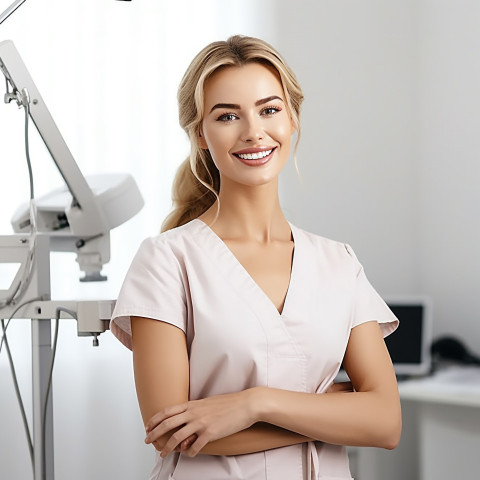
<point>223,117</point>
<point>273,107</point>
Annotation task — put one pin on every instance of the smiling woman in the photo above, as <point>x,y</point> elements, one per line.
<point>197,184</point>
<point>238,320</point>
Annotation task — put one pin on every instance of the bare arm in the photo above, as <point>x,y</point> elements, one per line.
<point>369,416</point>
<point>160,364</point>
<point>161,371</point>
<point>263,436</point>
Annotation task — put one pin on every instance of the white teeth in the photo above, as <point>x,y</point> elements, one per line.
<point>255,156</point>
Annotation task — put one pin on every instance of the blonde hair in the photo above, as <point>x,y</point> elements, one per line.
<point>197,182</point>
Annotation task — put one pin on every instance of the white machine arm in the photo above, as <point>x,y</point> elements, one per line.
<point>93,316</point>
<point>79,215</point>
<point>84,213</point>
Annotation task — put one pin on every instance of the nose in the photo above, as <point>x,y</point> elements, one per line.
<point>253,130</point>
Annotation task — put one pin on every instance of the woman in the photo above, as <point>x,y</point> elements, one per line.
<point>238,320</point>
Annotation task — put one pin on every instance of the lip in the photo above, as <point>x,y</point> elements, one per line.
<point>252,150</point>
<point>257,162</point>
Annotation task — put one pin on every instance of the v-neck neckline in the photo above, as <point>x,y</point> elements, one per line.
<point>235,261</point>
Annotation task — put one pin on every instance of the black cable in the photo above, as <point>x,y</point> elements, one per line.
<point>17,391</point>
<point>49,385</point>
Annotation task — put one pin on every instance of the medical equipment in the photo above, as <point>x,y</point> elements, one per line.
<point>79,216</point>
<point>10,10</point>
<point>75,218</point>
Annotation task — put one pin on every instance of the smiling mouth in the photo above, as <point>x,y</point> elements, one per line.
<point>254,156</point>
<point>255,159</point>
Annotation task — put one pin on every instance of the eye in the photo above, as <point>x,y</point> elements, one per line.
<point>227,117</point>
<point>269,111</point>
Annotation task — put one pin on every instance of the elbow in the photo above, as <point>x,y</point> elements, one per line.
<point>395,436</point>
<point>385,429</point>
<point>390,425</point>
<point>391,442</point>
<point>391,435</point>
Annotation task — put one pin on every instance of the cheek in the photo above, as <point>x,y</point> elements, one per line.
<point>219,139</point>
<point>219,146</point>
<point>282,129</point>
<point>283,135</point>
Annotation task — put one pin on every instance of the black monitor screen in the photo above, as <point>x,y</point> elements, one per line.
<point>405,344</point>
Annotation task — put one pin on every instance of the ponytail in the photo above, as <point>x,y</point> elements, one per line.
<point>194,190</point>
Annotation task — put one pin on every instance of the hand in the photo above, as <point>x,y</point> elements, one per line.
<point>199,422</point>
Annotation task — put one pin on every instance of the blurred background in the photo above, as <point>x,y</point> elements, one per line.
<point>388,161</point>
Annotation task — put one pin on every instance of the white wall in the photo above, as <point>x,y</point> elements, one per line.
<point>448,222</point>
<point>354,60</point>
<point>389,154</point>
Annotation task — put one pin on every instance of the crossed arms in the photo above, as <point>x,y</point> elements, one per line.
<point>262,418</point>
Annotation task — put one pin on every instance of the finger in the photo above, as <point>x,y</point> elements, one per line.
<point>166,426</point>
<point>196,446</point>
<point>164,414</point>
<point>158,446</point>
<point>176,439</point>
<point>186,444</point>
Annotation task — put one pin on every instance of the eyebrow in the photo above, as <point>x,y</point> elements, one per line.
<point>235,106</point>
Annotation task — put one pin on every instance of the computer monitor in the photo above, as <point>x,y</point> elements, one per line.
<point>409,345</point>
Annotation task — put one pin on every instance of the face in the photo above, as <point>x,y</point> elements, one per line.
<point>246,126</point>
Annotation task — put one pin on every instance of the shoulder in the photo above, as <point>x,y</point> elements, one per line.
<point>169,250</point>
<point>325,254</point>
<point>329,247</point>
<point>175,240</point>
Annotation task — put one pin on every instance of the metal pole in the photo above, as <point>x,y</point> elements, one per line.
<point>41,357</point>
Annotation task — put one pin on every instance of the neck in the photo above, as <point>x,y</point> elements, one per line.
<point>248,213</point>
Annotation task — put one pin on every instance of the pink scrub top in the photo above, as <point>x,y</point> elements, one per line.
<point>237,339</point>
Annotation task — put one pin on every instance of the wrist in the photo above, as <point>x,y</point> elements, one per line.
<point>258,403</point>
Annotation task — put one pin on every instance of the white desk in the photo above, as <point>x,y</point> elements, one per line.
<point>441,431</point>
<point>455,386</point>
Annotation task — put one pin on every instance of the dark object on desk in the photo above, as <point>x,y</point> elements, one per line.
<point>450,348</point>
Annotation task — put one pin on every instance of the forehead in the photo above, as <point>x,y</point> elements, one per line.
<point>244,84</point>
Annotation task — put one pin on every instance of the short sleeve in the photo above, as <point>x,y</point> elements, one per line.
<point>153,288</point>
<point>368,305</point>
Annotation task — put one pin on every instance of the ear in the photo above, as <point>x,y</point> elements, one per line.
<point>201,141</point>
